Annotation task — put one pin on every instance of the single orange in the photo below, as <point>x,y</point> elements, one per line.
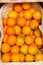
<point>12,14</point>
<point>5,48</point>
<point>29,40</point>
<point>34,24</point>
<point>10,31</point>
<point>17,7</point>
<point>21,14</point>
<point>32,49</point>
<point>38,41</point>
<point>12,40</point>
<point>37,15</point>
<point>20,40</point>
<point>26,30</point>
<point>29,58</point>
<point>21,22</point>
<point>4,21</point>
<point>32,10</point>
<point>15,58</point>
<point>6,58</point>
<point>11,21</point>
<point>5,38</point>
<point>26,6</point>
<point>27,14</point>
<point>15,49</point>
<point>17,29</point>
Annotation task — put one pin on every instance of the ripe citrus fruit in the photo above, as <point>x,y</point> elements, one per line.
<point>32,49</point>
<point>27,23</point>
<point>17,7</point>
<point>24,49</point>
<point>10,31</point>
<point>26,6</point>
<point>21,14</point>
<point>32,36</point>
<point>5,48</point>
<point>27,14</point>
<point>11,21</point>
<point>6,58</point>
<point>26,30</point>
<point>38,41</point>
<point>5,38</point>
<point>12,14</point>
<point>11,40</point>
<point>17,29</point>
<point>32,10</point>
<point>37,15</point>
<point>15,49</point>
<point>15,58</point>
<point>20,40</point>
<point>21,22</point>
<point>34,24</point>
<point>29,58</point>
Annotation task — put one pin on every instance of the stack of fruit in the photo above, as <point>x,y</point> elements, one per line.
<point>22,40</point>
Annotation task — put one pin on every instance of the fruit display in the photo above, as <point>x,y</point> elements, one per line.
<point>22,41</point>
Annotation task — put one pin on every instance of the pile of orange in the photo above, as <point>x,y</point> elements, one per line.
<point>22,40</point>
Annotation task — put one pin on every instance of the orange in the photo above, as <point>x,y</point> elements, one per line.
<point>24,49</point>
<point>5,58</point>
<point>17,29</point>
<point>29,58</point>
<point>20,40</point>
<point>38,41</point>
<point>34,24</point>
<point>11,21</point>
<point>5,28</point>
<point>37,33</point>
<point>31,32</point>
<point>12,14</point>
<point>27,14</point>
<point>32,49</point>
<point>12,40</point>
<point>5,38</point>
<point>26,6</point>
<point>39,51</point>
<point>37,15</point>
<point>21,21</point>
<point>32,36</point>
<point>21,57</point>
<point>27,23</point>
<point>39,57</point>
<point>17,7</point>
<point>21,14</point>
<point>5,48</point>
<point>4,21</point>
<point>10,31</point>
<point>15,58</point>
<point>32,10</point>
<point>14,49</point>
<point>29,40</point>
<point>26,30</point>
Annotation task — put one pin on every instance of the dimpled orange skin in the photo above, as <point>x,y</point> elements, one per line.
<point>4,21</point>
<point>11,21</point>
<point>29,40</point>
<point>5,48</point>
<point>21,57</point>
<point>10,31</point>
<point>6,57</point>
<point>34,24</point>
<point>12,40</point>
<point>29,58</point>
<point>17,7</point>
<point>38,41</point>
<point>15,49</point>
<point>26,30</point>
<point>5,38</point>
<point>27,14</point>
<point>26,6</point>
<point>21,22</point>
<point>12,14</point>
<point>37,15</point>
<point>15,58</point>
<point>17,29</point>
<point>32,49</point>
